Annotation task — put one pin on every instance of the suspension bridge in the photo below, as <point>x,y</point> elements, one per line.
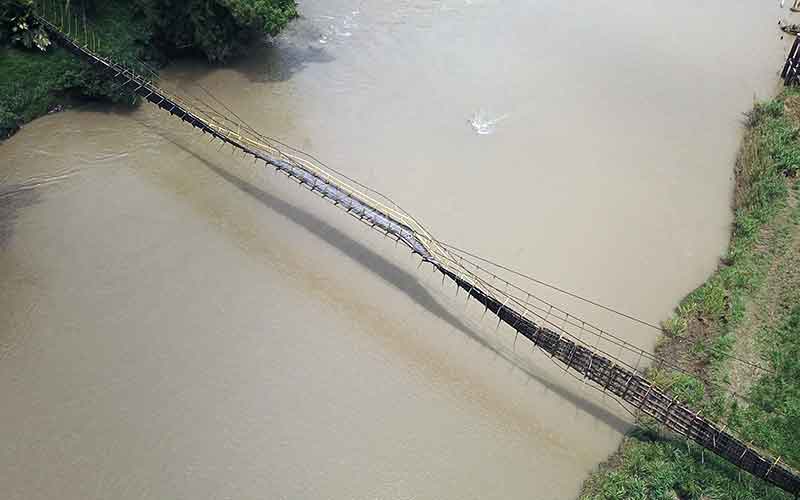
<point>544,325</point>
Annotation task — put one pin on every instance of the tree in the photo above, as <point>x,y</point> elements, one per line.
<point>217,28</point>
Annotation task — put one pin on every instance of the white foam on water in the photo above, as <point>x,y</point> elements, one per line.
<point>483,124</point>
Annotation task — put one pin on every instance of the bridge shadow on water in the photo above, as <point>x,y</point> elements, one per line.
<point>280,59</point>
<point>14,198</point>
<point>279,63</point>
<point>401,280</point>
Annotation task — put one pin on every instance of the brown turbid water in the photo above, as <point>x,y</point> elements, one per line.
<point>180,323</point>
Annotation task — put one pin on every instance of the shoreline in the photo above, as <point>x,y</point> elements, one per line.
<point>725,327</point>
<point>38,81</point>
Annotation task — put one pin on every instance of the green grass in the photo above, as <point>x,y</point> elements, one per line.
<point>770,154</point>
<point>33,82</point>
<point>652,466</point>
<point>774,421</point>
<point>759,266</point>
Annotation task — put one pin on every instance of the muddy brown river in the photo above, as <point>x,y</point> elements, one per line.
<point>177,322</point>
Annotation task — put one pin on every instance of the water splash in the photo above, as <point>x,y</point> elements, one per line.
<point>339,27</point>
<point>483,124</point>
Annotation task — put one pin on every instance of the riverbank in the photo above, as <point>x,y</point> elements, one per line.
<point>36,82</point>
<point>746,313</point>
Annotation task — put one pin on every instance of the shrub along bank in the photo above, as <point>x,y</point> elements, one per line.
<point>36,77</point>
<point>749,309</point>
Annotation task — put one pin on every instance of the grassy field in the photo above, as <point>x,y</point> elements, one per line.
<point>748,309</point>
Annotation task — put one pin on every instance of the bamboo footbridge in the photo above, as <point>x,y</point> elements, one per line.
<point>526,315</point>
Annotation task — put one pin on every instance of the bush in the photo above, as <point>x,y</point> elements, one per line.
<point>217,28</point>
<point>18,27</point>
<point>32,82</point>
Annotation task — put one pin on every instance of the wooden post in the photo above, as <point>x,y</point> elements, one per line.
<point>790,68</point>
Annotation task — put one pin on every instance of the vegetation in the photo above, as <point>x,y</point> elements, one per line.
<point>34,82</point>
<point>16,26</point>
<point>750,309</point>
<point>37,78</point>
<point>218,29</point>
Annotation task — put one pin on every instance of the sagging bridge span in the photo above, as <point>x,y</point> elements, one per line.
<point>509,303</point>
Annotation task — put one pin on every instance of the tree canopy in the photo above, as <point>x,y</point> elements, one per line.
<point>217,28</point>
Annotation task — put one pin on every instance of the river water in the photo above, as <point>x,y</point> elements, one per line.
<point>180,323</point>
